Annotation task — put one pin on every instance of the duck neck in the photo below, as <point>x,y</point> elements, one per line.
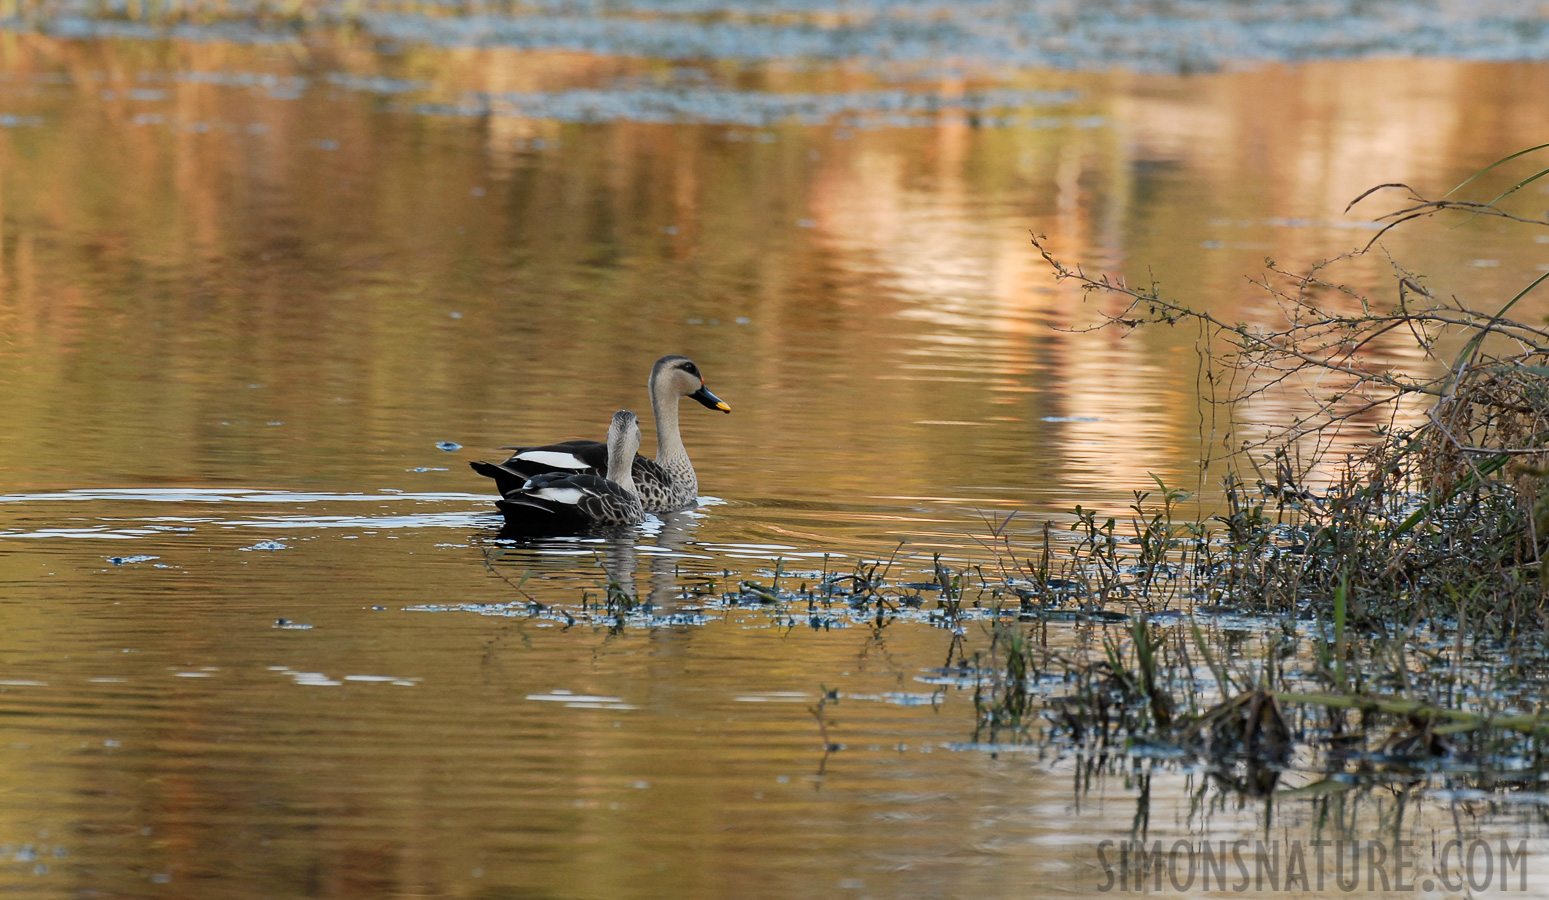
<point>621,471</point>
<point>621,466</point>
<point>669,444</point>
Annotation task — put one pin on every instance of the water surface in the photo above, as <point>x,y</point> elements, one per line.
<point>262,638</point>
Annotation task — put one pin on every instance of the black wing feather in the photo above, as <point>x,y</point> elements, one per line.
<point>515,472</point>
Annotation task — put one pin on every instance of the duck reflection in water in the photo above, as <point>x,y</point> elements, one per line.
<point>619,559</point>
<point>617,553</point>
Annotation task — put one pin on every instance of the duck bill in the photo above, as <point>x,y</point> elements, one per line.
<point>710,400</point>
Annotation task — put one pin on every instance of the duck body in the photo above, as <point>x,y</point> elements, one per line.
<point>565,458</point>
<point>569,502</point>
<point>566,504</point>
<point>664,484</point>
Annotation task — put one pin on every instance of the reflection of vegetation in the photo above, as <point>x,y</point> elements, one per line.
<point>826,696</point>
<point>1421,559</point>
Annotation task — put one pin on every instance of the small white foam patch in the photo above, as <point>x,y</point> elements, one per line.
<point>567,495</point>
<point>567,697</point>
<point>555,458</point>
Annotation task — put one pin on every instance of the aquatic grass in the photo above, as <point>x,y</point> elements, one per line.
<point>1002,702</point>
<point>1240,695</point>
<point>1141,690</point>
<point>1138,691</point>
<point>1433,529</point>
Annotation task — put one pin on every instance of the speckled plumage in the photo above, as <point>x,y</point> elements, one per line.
<point>677,488</point>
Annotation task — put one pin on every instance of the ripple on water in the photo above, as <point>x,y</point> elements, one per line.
<point>122,527</point>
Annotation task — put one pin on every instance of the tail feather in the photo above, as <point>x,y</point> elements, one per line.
<point>506,480</point>
<point>519,503</point>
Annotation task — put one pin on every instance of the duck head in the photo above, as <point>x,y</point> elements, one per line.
<point>623,443</point>
<point>677,376</point>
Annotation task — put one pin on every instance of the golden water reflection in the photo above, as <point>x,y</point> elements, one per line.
<point>242,267</point>
<point>318,247</point>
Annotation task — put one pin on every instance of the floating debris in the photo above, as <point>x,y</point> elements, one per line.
<point>130,560</point>
<point>266,545</point>
<point>448,446</point>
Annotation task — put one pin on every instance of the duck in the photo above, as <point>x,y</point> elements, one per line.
<point>665,484</point>
<point>568,502</point>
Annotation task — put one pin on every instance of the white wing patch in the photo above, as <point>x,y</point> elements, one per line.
<point>556,458</point>
<point>567,495</point>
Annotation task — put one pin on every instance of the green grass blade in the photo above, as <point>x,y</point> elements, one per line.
<point>1501,161</point>
<point>1339,632</point>
<point>1477,340</point>
<point>1518,186</point>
